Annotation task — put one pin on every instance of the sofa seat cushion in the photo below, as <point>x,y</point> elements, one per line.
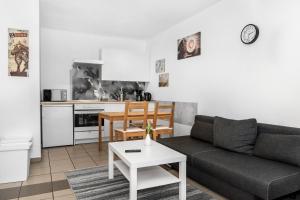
<point>187,145</point>
<point>264,178</point>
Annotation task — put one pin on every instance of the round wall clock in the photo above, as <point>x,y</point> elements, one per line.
<point>249,34</point>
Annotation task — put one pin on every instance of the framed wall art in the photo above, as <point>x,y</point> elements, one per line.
<point>160,66</point>
<point>18,52</point>
<point>189,46</point>
<point>164,80</point>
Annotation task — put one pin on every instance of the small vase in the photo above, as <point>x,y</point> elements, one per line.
<point>148,140</point>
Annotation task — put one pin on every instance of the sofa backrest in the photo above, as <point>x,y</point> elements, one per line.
<point>273,142</point>
<point>276,129</point>
<point>261,127</point>
<point>204,118</point>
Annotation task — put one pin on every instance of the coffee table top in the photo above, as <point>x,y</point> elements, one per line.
<point>156,154</point>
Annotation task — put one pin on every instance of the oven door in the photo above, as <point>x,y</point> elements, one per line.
<point>86,120</point>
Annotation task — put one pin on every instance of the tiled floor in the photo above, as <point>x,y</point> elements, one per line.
<point>47,180</point>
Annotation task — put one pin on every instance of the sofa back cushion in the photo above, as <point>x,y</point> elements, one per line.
<point>235,135</point>
<point>204,118</point>
<point>276,129</point>
<point>203,131</point>
<point>279,147</point>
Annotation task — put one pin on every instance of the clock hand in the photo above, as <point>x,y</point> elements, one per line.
<point>249,35</point>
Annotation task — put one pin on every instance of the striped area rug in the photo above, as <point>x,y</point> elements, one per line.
<point>93,183</point>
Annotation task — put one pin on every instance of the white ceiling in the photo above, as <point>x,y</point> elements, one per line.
<point>125,18</point>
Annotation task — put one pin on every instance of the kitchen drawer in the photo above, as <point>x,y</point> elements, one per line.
<point>86,135</point>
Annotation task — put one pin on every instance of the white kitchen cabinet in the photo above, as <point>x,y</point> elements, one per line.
<point>57,125</point>
<point>125,65</point>
<point>151,106</point>
<point>113,107</point>
<point>120,107</point>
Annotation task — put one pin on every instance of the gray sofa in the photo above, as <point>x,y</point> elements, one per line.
<point>240,176</point>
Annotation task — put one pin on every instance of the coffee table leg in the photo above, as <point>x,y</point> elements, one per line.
<point>182,177</point>
<point>133,183</point>
<point>110,163</point>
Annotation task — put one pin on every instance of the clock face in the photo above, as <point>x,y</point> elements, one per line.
<point>249,34</point>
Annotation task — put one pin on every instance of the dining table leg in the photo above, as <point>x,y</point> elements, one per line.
<point>100,132</point>
<point>111,130</point>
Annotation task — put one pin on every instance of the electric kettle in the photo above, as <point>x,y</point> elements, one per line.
<point>147,96</point>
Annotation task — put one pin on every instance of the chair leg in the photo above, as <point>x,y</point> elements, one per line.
<point>124,137</point>
<point>116,136</point>
<point>154,135</point>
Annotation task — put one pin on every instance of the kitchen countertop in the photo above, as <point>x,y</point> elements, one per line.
<point>81,102</point>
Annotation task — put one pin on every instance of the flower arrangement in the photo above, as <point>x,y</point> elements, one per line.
<point>148,130</point>
<point>149,127</point>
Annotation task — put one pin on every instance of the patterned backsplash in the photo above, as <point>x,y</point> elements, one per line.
<point>112,89</point>
<point>87,84</point>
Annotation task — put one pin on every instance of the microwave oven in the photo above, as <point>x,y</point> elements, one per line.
<point>55,95</point>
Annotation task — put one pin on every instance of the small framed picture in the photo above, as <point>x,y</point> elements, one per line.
<point>164,80</point>
<point>160,66</point>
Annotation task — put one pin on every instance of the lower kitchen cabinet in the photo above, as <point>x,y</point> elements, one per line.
<point>57,125</point>
<point>117,124</point>
<point>68,124</point>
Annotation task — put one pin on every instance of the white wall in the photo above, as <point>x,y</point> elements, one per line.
<point>59,49</point>
<point>231,79</point>
<point>125,64</point>
<point>19,102</point>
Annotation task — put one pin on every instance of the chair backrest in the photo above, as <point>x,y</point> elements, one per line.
<point>135,111</point>
<point>168,113</point>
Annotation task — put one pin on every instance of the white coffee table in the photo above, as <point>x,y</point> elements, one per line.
<point>142,169</point>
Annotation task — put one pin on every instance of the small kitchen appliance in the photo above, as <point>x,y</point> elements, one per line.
<point>139,95</point>
<point>55,95</point>
<point>147,96</point>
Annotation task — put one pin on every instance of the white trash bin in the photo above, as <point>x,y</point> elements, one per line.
<point>14,158</point>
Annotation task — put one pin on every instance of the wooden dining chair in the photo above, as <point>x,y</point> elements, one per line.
<point>134,111</point>
<point>168,115</point>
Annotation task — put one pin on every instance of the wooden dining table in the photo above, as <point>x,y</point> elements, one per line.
<point>119,116</point>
